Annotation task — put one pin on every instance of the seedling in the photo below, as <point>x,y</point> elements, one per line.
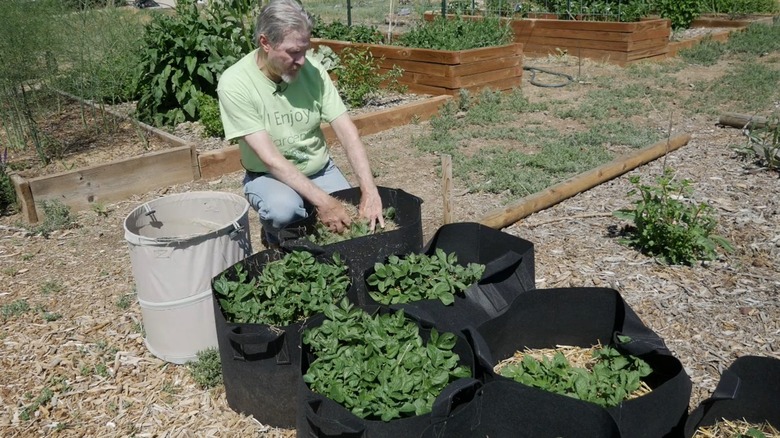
<point>206,371</point>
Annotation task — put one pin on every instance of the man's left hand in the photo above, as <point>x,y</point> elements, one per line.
<point>371,208</point>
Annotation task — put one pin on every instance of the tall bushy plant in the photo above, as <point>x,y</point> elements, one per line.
<point>185,54</point>
<point>359,77</point>
<point>680,12</point>
<point>737,8</point>
<point>457,34</point>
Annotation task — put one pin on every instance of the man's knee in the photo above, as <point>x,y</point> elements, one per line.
<point>279,211</point>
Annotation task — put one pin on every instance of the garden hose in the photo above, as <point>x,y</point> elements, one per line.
<point>535,70</point>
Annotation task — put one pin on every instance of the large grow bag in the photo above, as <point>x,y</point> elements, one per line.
<point>583,317</point>
<point>364,251</point>
<point>177,244</point>
<point>748,390</point>
<point>509,271</point>
<point>320,416</point>
<point>494,411</point>
<point>261,363</point>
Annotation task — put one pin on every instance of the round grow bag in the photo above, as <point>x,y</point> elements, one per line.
<point>177,244</point>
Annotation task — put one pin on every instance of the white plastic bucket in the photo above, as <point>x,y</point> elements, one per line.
<point>178,243</point>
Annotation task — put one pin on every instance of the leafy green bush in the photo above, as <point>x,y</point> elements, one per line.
<point>379,367</point>
<point>680,12</point>
<point>457,34</point>
<point>763,144</point>
<point>738,8</point>
<point>668,224</point>
<point>207,369</point>
<point>208,109</point>
<point>336,30</point>
<point>184,55</point>
<point>359,77</point>
<point>287,290</point>
<point>417,277</point>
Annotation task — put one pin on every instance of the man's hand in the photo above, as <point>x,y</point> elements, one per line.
<point>333,215</point>
<point>371,208</point>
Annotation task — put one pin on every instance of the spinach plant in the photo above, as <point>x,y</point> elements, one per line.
<point>612,378</point>
<point>669,225</point>
<point>287,290</point>
<point>417,277</point>
<point>379,367</point>
<point>457,34</point>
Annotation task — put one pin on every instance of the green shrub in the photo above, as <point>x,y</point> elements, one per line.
<point>208,110</point>
<point>80,5</point>
<point>680,12</point>
<point>336,30</point>
<point>668,224</point>
<point>763,144</point>
<point>207,369</point>
<point>739,8</point>
<point>359,77</point>
<point>184,55</point>
<point>457,34</point>
<point>57,216</point>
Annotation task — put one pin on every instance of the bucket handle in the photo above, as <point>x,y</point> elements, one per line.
<point>267,340</point>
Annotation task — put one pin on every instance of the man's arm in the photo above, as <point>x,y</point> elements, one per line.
<point>370,202</point>
<point>329,209</point>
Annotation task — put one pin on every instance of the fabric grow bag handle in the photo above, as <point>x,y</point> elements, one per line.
<point>324,427</point>
<point>507,260</point>
<point>267,340</point>
<point>454,394</point>
<point>639,345</point>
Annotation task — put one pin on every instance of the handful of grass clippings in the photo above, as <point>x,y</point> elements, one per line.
<point>378,366</point>
<point>323,236</point>
<point>600,375</point>
<point>417,277</point>
<point>287,290</point>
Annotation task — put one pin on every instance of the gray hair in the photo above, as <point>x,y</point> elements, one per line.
<point>279,17</point>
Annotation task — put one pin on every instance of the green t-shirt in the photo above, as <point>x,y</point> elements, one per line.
<point>291,113</point>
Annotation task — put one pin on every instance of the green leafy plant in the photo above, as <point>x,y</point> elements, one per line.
<point>7,191</point>
<point>185,54</point>
<point>14,308</point>
<point>740,8</point>
<point>379,366</point>
<point>206,370</point>
<point>287,290</point>
<point>57,216</point>
<point>668,224</point>
<point>325,56</point>
<point>358,228</point>
<point>680,12</point>
<point>336,30</point>
<point>416,277</point>
<point>608,381</point>
<point>359,77</point>
<point>763,144</point>
<point>208,109</point>
<point>457,34</point>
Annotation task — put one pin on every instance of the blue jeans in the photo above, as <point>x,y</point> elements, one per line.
<point>278,205</point>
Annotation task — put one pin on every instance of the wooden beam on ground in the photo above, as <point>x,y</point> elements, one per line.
<point>737,120</point>
<point>528,205</point>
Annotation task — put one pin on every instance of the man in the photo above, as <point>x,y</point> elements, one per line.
<point>273,100</point>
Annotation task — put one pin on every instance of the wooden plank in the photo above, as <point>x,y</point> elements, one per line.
<point>214,164</point>
<point>451,71</point>
<point>600,36</point>
<point>116,180</point>
<point>25,198</point>
<point>600,26</point>
<point>600,55</point>
<point>647,53</point>
<point>460,81</point>
<point>612,46</point>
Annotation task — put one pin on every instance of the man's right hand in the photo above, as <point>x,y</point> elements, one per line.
<point>333,215</point>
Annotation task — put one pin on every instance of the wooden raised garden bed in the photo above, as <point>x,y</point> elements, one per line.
<point>182,162</point>
<point>725,25</point>
<point>446,72</point>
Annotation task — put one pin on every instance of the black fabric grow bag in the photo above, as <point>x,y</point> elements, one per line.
<point>364,251</point>
<point>260,363</point>
<point>583,317</point>
<point>749,389</point>
<point>509,271</point>
<point>502,409</point>
<point>320,416</point>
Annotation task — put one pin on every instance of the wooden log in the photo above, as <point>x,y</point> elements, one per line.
<point>737,120</point>
<point>528,205</point>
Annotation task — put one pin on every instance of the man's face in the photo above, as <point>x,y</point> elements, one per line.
<point>286,59</point>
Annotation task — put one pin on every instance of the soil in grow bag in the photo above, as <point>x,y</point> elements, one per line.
<point>376,371</point>
<point>747,396</point>
<point>467,274</point>
<point>583,317</point>
<point>260,305</point>
<point>364,251</point>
